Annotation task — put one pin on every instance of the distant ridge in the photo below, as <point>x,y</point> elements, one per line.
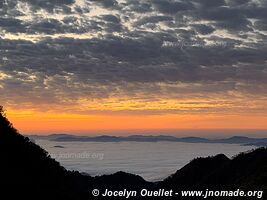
<point>161,138</point>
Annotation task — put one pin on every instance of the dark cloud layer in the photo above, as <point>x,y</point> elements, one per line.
<point>202,42</point>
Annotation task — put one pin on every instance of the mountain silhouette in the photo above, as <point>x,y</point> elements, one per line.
<point>150,138</point>
<point>27,171</point>
<point>193,174</point>
<point>246,170</point>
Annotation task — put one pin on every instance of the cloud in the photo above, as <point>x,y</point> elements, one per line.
<point>171,6</point>
<point>205,4</point>
<point>203,29</point>
<point>261,25</point>
<point>152,20</point>
<point>63,51</point>
<point>137,6</point>
<point>12,25</point>
<point>106,3</point>
<point>50,5</point>
<point>115,59</point>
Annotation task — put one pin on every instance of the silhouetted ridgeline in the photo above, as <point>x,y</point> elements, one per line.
<point>143,138</point>
<point>27,171</point>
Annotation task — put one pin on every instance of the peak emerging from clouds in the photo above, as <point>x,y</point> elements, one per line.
<point>192,51</point>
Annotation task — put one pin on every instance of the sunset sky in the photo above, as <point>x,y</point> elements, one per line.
<point>134,66</point>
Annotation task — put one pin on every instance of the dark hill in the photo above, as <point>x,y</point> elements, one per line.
<point>247,170</point>
<point>193,174</point>
<point>28,171</point>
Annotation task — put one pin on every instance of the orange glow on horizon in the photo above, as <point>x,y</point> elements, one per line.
<point>45,123</point>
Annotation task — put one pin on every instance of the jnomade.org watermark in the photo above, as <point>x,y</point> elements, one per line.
<point>81,155</point>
